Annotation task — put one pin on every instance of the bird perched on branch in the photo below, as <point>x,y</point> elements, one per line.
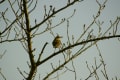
<point>57,42</point>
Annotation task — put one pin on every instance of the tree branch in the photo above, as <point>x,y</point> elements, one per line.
<point>55,12</point>
<point>80,43</point>
<point>42,52</point>
<point>28,33</point>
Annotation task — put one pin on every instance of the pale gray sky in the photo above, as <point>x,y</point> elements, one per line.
<point>110,49</point>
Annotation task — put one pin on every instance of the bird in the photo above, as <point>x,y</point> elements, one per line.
<point>57,42</point>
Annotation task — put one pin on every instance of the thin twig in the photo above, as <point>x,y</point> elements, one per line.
<point>21,72</point>
<point>42,51</point>
<point>3,75</point>
<point>55,12</point>
<point>1,55</point>
<point>103,63</point>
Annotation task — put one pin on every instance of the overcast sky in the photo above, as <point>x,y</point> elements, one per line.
<point>16,56</point>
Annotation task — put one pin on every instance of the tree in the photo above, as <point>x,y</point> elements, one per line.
<point>30,22</point>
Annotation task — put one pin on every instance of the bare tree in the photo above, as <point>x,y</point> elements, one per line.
<point>22,30</point>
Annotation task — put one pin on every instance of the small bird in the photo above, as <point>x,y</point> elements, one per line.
<point>57,42</point>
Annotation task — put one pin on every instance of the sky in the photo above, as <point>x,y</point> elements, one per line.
<point>16,56</point>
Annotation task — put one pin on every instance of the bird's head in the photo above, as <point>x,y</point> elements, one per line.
<point>58,37</point>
